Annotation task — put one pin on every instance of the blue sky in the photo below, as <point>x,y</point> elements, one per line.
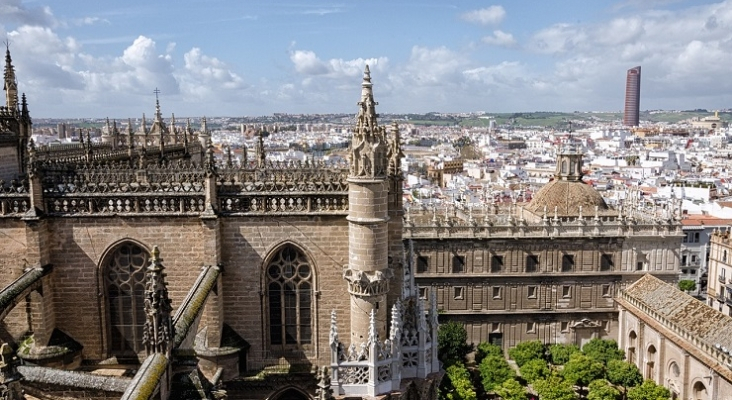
<point>79,58</point>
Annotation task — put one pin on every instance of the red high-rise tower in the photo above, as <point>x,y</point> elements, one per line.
<point>632,97</point>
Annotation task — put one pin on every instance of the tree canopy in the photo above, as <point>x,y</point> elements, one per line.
<point>560,353</point>
<point>603,350</point>
<point>526,351</point>
<point>582,369</point>
<point>623,373</point>
<point>534,369</point>
<point>511,390</point>
<point>452,346</point>
<point>459,385</point>
<point>687,285</point>
<point>554,388</point>
<point>494,370</point>
<point>601,389</point>
<point>485,349</point>
<point>649,390</point>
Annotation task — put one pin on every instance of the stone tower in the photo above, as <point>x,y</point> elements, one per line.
<point>367,272</point>
<point>569,162</point>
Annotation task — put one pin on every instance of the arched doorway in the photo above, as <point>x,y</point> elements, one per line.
<point>124,283</point>
<point>699,391</point>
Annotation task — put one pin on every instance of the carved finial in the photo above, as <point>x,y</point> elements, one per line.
<point>244,156</point>
<point>158,330</point>
<point>229,161</point>
<point>395,332</point>
<point>373,334</point>
<point>333,338</point>
<point>260,153</point>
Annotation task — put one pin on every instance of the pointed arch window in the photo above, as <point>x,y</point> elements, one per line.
<point>289,291</point>
<point>124,278</point>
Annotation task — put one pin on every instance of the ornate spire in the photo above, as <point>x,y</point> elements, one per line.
<point>244,156</point>
<point>158,330</point>
<point>24,114</point>
<point>130,135</point>
<point>367,152</point>
<point>10,82</point>
<point>394,152</point>
<point>260,154</point>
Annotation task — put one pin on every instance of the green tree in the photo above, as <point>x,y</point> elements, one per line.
<point>485,349</point>
<point>603,350</point>
<point>687,285</point>
<point>452,343</point>
<point>460,385</point>
<point>526,351</point>
<point>601,389</point>
<point>534,369</point>
<point>494,370</point>
<point>511,390</point>
<point>624,374</point>
<point>554,388</point>
<point>648,390</point>
<point>560,353</point>
<point>580,370</point>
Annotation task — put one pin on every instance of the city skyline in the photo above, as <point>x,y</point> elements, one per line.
<point>75,59</point>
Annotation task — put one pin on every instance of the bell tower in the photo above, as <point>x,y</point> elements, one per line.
<point>569,162</point>
<point>367,272</point>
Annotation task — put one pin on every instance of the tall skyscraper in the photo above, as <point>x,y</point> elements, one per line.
<point>632,97</point>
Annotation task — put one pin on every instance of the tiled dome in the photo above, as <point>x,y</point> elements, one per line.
<point>567,197</point>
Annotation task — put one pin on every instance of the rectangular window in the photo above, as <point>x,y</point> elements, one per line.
<point>566,291</point>
<point>531,327</point>
<point>496,292</point>
<point>567,263</point>
<point>495,327</point>
<point>496,263</point>
<point>458,264</point>
<point>686,238</point>
<point>605,290</point>
<point>423,264</point>
<point>423,292</point>
<point>683,260</point>
<point>696,237</point>
<point>639,266</point>
<point>532,263</point>
<point>693,258</point>
<point>458,292</point>
<point>532,292</point>
<point>606,262</point>
<point>564,326</point>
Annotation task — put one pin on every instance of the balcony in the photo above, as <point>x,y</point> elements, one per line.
<point>720,297</point>
<point>721,279</point>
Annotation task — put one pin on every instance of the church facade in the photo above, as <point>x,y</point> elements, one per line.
<point>265,264</point>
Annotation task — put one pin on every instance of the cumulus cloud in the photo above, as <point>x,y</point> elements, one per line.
<point>492,15</point>
<point>500,38</point>
<point>14,12</point>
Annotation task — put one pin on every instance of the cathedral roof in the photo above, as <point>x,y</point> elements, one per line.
<point>693,316</point>
<point>567,196</point>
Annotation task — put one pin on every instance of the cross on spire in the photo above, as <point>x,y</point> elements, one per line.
<point>157,92</point>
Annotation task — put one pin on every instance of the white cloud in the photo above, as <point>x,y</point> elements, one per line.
<point>15,12</point>
<point>500,38</point>
<point>492,15</point>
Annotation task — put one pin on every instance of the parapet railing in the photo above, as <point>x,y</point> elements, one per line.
<point>14,198</point>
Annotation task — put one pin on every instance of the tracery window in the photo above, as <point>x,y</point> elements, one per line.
<point>289,287</point>
<point>124,278</point>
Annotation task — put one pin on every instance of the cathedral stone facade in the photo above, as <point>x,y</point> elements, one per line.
<point>144,249</point>
<point>548,269</point>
